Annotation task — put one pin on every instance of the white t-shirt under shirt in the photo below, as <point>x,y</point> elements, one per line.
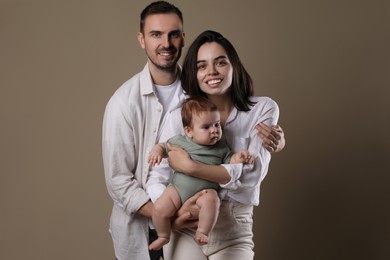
<point>165,94</point>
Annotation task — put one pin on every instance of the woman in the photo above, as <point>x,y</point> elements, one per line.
<point>213,69</point>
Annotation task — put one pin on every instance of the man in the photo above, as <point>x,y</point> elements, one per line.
<point>131,128</point>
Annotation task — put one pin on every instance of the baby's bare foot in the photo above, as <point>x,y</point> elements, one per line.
<point>158,243</point>
<point>201,238</point>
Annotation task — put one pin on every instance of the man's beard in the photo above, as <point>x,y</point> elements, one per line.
<point>167,67</point>
<point>170,66</point>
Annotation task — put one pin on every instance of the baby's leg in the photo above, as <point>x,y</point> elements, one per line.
<point>209,207</point>
<point>164,208</point>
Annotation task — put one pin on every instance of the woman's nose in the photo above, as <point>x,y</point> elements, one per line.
<point>212,70</point>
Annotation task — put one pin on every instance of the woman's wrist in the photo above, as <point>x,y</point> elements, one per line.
<point>191,168</point>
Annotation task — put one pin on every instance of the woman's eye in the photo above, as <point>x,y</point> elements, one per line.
<point>201,66</point>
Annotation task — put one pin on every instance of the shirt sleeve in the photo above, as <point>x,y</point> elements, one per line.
<point>158,180</point>
<point>251,175</point>
<point>120,157</point>
<point>234,171</point>
<point>160,175</point>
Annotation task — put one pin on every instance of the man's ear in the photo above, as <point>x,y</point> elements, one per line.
<point>141,39</point>
<point>184,39</point>
<point>188,131</point>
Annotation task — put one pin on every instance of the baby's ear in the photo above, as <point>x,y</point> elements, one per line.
<point>188,131</point>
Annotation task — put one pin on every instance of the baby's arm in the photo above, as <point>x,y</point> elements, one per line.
<point>242,157</point>
<point>157,154</point>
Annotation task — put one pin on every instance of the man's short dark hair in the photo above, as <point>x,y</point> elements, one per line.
<point>159,7</point>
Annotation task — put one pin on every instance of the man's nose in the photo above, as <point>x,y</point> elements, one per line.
<point>166,42</point>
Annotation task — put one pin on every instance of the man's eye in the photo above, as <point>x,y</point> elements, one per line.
<point>175,35</point>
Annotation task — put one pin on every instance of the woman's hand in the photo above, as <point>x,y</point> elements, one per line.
<point>272,136</point>
<point>179,160</point>
<point>188,214</point>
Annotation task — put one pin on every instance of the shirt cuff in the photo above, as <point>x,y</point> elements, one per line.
<point>234,171</point>
<point>155,191</point>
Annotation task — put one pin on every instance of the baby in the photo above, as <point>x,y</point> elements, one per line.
<point>202,128</point>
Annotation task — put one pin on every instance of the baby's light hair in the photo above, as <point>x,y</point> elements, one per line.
<point>195,105</point>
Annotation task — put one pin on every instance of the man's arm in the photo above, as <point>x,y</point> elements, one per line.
<point>119,157</point>
<point>146,210</point>
<point>187,216</point>
<point>273,137</point>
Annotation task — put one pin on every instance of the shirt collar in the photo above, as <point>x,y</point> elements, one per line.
<point>232,116</point>
<point>146,82</point>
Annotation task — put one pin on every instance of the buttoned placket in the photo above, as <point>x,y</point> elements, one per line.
<point>153,139</point>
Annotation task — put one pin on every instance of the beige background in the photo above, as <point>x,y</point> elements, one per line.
<point>326,63</point>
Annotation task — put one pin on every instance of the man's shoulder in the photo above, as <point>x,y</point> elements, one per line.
<point>126,95</point>
<point>131,85</point>
<point>129,90</point>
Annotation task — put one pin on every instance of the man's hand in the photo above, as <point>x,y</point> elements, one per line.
<point>188,214</point>
<point>273,137</point>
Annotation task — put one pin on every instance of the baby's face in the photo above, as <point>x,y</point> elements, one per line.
<point>206,128</point>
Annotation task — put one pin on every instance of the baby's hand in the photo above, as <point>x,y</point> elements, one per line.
<point>156,155</point>
<point>242,157</point>
<point>154,159</point>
